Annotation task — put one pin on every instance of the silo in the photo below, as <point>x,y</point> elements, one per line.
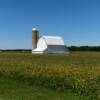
<point>35,36</point>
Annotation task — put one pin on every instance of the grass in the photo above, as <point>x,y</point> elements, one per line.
<point>16,90</point>
<point>77,71</point>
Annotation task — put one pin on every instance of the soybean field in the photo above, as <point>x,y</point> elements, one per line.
<point>78,72</point>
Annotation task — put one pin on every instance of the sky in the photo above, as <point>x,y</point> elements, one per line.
<point>76,21</point>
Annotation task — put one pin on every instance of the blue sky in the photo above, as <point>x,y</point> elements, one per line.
<point>77,21</point>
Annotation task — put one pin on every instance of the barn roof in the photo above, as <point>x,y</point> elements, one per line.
<point>53,40</point>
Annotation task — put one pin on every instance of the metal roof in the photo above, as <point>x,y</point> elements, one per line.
<point>53,40</point>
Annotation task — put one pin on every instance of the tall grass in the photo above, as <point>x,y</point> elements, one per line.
<point>78,71</point>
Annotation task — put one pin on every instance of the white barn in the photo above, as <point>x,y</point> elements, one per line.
<point>50,44</point>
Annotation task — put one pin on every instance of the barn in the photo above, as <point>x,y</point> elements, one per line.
<point>47,44</point>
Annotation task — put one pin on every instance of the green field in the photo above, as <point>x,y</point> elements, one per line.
<point>78,72</point>
<point>15,90</point>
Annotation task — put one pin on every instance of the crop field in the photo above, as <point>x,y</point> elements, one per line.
<point>77,71</point>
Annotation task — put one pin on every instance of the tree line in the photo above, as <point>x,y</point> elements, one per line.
<point>71,48</point>
<point>84,48</point>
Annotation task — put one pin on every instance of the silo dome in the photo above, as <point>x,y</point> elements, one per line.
<point>34,29</point>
